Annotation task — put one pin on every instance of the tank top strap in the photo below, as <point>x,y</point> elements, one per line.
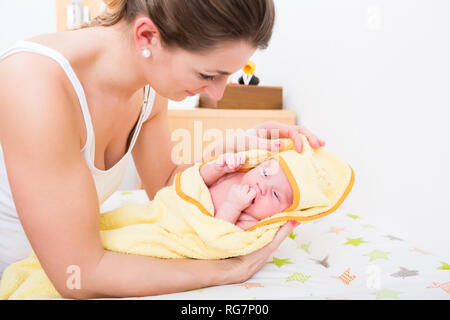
<point>147,107</point>
<point>89,148</point>
<point>28,46</point>
<point>149,101</point>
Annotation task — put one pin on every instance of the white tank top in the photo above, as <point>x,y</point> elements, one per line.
<point>14,244</point>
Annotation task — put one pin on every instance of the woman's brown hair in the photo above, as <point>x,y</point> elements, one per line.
<point>197,25</point>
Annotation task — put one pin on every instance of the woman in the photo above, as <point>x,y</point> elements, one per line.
<point>57,90</point>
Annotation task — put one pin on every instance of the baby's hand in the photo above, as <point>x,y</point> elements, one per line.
<point>230,162</point>
<point>240,196</point>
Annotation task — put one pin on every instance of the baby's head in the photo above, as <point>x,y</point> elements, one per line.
<point>273,190</point>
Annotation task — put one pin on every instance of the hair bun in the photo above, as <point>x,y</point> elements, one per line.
<point>115,6</point>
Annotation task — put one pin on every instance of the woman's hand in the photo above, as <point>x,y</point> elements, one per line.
<point>266,135</point>
<point>240,269</point>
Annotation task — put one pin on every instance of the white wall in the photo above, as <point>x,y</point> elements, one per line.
<point>375,87</point>
<point>379,94</point>
<point>21,19</point>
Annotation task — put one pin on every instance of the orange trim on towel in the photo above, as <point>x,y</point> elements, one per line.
<point>283,164</point>
<point>292,181</point>
<point>314,217</point>
<point>209,160</point>
<point>185,197</point>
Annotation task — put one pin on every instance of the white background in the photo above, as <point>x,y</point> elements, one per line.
<point>371,78</point>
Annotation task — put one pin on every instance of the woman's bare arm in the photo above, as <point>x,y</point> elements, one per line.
<point>57,202</point>
<point>152,151</point>
<point>51,184</point>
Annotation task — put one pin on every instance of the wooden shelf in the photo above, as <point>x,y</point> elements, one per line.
<point>198,123</point>
<point>246,97</point>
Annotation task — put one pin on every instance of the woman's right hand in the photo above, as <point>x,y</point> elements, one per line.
<point>240,269</point>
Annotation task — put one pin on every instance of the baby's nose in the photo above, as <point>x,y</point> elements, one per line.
<point>263,188</point>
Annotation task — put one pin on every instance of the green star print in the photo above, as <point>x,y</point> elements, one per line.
<point>386,293</point>
<point>280,262</point>
<point>354,242</point>
<point>297,276</point>
<point>376,254</point>
<point>305,247</point>
<point>445,266</point>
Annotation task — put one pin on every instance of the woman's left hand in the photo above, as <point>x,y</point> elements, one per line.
<point>267,133</point>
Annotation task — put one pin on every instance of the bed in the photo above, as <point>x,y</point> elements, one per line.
<point>339,257</point>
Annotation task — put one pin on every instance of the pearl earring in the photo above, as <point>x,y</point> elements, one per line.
<point>146,53</point>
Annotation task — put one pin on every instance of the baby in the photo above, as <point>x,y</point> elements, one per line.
<point>244,198</point>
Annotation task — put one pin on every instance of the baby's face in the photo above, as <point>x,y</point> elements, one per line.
<point>273,190</point>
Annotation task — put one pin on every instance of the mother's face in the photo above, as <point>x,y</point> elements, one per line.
<point>177,74</point>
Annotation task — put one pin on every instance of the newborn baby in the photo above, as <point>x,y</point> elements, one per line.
<point>244,198</point>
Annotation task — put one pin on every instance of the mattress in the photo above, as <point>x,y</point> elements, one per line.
<point>340,257</point>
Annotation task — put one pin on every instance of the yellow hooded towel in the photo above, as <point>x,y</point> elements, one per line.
<point>179,222</point>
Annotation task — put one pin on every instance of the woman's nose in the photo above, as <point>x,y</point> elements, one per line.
<point>216,89</point>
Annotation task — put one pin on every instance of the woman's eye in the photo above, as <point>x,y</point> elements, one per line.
<point>209,78</point>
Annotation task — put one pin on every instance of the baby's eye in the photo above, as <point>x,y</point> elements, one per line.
<point>275,194</point>
<point>264,172</point>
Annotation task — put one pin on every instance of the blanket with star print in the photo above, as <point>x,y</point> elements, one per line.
<point>179,222</point>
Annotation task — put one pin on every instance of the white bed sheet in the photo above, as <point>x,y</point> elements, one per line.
<point>341,256</point>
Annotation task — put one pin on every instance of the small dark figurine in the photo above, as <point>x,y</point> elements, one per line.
<point>249,78</point>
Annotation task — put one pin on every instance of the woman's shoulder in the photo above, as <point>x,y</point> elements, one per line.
<point>34,85</point>
<point>26,76</point>
<point>28,66</point>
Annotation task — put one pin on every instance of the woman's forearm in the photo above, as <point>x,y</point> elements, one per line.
<point>123,275</point>
<point>178,168</point>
